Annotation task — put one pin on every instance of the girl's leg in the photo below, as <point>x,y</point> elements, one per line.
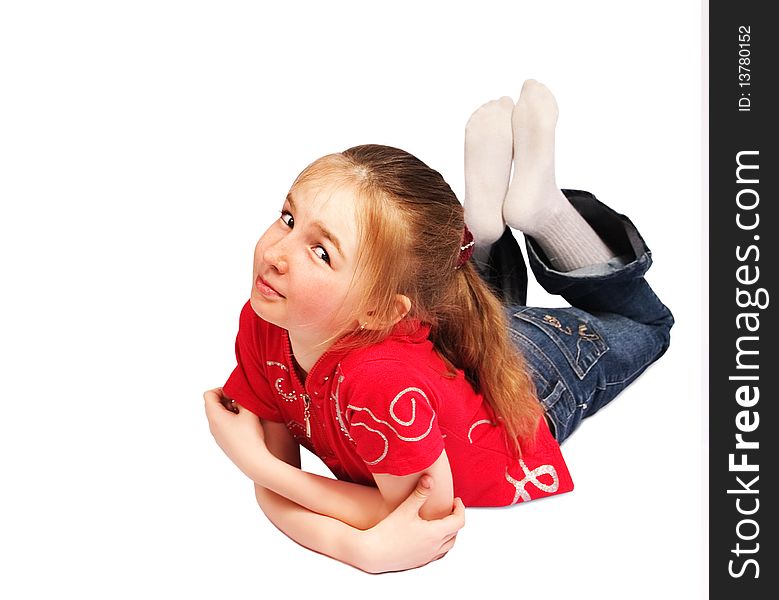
<point>575,243</point>
<point>534,204</point>
<point>488,156</point>
<point>583,356</point>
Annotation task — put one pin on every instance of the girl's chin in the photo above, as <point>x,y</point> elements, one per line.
<point>260,310</point>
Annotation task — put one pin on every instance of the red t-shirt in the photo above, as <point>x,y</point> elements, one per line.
<point>391,408</point>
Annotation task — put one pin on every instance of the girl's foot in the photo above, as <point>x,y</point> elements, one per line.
<point>534,204</point>
<point>533,195</point>
<point>488,148</point>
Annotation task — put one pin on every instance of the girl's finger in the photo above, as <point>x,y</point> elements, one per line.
<point>217,396</point>
<point>449,538</point>
<point>446,547</point>
<point>453,522</point>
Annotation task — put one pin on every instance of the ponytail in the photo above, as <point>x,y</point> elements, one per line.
<point>472,334</point>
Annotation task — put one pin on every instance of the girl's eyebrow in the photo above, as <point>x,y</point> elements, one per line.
<point>319,226</point>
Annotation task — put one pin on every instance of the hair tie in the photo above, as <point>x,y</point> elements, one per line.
<point>466,249</point>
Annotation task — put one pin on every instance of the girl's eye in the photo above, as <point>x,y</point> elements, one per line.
<point>322,253</point>
<point>287,218</point>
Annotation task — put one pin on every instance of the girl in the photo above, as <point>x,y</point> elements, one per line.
<point>372,339</point>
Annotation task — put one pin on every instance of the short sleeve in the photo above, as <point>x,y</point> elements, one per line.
<point>248,384</point>
<point>392,418</point>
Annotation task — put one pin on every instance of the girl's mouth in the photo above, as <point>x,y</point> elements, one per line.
<point>265,288</point>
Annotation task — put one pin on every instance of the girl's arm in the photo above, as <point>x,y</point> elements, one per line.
<point>357,505</point>
<point>317,532</point>
<point>268,455</point>
<point>243,437</point>
<point>395,489</point>
<point>375,550</point>
<point>403,540</point>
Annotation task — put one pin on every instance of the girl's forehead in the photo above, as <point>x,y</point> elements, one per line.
<point>321,190</point>
<point>330,206</point>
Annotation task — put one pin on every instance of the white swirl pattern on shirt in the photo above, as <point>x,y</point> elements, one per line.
<point>406,393</point>
<point>288,396</point>
<point>532,477</point>
<point>482,422</point>
<point>334,396</point>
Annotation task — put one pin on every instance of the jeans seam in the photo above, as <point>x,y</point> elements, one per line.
<point>561,427</point>
<point>542,353</point>
<point>633,374</point>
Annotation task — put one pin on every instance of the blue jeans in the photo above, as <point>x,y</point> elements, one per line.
<point>581,357</point>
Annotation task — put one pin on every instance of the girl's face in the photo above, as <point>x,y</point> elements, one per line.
<point>305,263</point>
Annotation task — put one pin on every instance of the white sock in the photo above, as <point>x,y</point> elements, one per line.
<point>488,147</point>
<point>534,204</point>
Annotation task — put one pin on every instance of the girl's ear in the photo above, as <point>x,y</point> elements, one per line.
<point>401,308</point>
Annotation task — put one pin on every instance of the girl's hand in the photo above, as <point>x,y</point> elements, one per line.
<point>404,540</point>
<point>238,432</point>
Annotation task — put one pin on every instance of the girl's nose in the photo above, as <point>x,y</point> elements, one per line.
<point>275,255</point>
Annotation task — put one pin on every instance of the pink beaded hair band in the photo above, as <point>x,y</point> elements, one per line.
<point>466,250</point>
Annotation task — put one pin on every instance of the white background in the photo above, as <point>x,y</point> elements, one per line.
<point>144,146</point>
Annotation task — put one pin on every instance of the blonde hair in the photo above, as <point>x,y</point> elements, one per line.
<point>411,226</point>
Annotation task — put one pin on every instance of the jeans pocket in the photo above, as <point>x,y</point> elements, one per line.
<point>571,332</point>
